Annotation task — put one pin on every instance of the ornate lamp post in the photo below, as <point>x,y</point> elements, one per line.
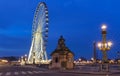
<point>25,58</point>
<point>104,46</point>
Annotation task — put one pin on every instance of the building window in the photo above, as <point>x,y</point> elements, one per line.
<point>56,59</point>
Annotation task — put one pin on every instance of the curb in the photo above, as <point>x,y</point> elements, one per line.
<point>95,73</point>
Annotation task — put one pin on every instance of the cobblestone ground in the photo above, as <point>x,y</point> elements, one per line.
<point>35,71</point>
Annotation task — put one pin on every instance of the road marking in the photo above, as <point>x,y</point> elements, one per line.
<point>107,75</point>
<point>16,73</point>
<point>8,73</point>
<point>40,71</point>
<point>30,72</point>
<point>35,71</point>
<point>1,74</point>
<point>23,72</point>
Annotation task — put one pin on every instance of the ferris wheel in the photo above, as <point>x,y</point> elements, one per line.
<point>37,51</point>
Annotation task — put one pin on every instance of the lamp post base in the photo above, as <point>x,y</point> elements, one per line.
<point>104,67</point>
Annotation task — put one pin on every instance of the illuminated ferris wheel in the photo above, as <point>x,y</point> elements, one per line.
<point>37,51</point>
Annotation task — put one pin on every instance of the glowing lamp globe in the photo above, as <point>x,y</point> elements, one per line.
<point>104,27</point>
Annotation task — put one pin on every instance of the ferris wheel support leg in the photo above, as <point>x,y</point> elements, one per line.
<point>46,58</point>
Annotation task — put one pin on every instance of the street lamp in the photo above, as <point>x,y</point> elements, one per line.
<point>25,58</point>
<point>104,27</point>
<point>104,45</point>
<point>34,57</point>
<point>22,60</point>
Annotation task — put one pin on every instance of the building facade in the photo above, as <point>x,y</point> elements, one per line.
<point>62,57</point>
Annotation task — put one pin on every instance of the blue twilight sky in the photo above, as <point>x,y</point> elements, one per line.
<point>79,21</point>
